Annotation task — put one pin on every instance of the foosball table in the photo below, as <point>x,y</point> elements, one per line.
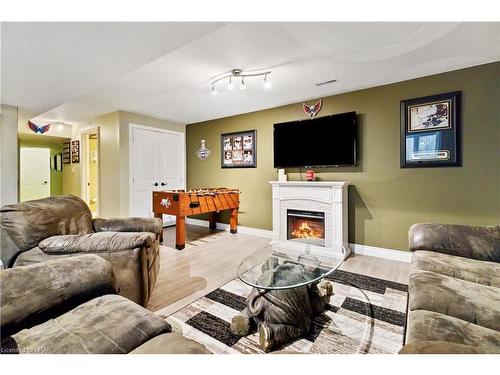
<point>182,203</point>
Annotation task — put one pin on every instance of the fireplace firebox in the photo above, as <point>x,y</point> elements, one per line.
<point>306,226</point>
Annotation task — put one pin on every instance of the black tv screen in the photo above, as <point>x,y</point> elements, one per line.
<point>319,142</point>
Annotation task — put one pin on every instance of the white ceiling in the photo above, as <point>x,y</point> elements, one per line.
<point>76,72</point>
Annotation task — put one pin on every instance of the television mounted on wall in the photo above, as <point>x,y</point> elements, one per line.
<point>329,141</point>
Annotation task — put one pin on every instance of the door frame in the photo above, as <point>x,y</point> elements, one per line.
<point>84,165</point>
<point>131,165</point>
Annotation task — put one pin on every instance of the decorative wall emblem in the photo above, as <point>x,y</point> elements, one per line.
<point>203,153</point>
<point>312,110</point>
<point>38,129</point>
<point>166,202</point>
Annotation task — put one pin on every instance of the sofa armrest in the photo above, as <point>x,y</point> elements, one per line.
<point>32,294</point>
<point>476,242</point>
<point>132,224</point>
<point>100,242</point>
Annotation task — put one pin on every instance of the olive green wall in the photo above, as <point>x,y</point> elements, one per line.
<point>56,177</point>
<point>384,200</point>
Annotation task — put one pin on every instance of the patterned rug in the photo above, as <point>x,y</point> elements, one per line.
<point>365,315</point>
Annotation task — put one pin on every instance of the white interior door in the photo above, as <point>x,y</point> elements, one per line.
<point>34,165</point>
<point>158,164</point>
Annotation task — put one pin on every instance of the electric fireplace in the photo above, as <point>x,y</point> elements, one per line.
<point>306,226</point>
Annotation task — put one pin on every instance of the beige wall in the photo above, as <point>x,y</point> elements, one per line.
<point>8,155</point>
<point>114,159</point>
<point>384,200</point>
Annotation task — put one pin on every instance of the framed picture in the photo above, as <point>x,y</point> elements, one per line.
<point>66,153</point>
<point>56,162</point>
<point>239,150</point>
<point>75,151</point>
<point>431,131</point>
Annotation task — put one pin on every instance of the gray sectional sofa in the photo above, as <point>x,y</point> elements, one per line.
<point>454,289</point>
<point>70,306</point>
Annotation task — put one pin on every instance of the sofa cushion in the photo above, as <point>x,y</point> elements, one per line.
<point>133,279</point>
<point>108,324</point>
<point>171,343</point>
<point>432,326</point>
<point>96,242</point>
<point>472,302</point>
<point>441,347</point>
<point>24,225</point>
<point>482,272</point>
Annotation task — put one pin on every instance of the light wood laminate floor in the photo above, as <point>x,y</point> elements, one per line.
<point>211,259</point>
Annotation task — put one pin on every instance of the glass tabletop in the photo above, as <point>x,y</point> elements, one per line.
<point>280,266</point>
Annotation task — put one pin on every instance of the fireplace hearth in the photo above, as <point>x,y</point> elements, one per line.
<point>306,226</point>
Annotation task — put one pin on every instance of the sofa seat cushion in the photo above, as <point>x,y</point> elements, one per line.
<point>96,242</point>
<point>171,343</point>
<point>441,347</point>
<point>433,326</point>
<point>108,324</point>
<point>472,302</point>
<point>478,271</point>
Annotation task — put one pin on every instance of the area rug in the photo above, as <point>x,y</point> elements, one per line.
<point>365,315</point>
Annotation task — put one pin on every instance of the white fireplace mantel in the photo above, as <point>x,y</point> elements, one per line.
<point>329,197</point>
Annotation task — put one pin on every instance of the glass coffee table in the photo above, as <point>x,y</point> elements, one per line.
<point>288,291</point>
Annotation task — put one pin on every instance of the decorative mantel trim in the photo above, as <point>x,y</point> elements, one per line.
<point>328,197</point>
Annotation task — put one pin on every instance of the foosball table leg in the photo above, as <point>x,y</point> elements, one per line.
<point>180,232</point>
<point>233,221</point>
<point>212,220</point>
<point>160,216</point>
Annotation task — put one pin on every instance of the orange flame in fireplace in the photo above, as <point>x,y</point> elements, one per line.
<point>305,231</point>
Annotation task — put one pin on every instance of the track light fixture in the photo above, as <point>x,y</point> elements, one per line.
<point>238,73</point>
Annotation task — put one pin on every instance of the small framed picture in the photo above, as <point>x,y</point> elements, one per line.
<point>228,144</point>
<point>431,131</point>
<point>66,153</point>
<point>75,151</point>
<point>238,150</point>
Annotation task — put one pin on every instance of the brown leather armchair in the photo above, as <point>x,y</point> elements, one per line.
<point>62,226</point>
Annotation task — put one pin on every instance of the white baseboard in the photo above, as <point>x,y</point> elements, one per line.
<point>241,229</point>
<point>379,252</point>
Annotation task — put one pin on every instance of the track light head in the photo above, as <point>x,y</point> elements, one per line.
<point>242,84</point>
<point>267,82</point>
<point>214,91</point>
<point>230,85</point>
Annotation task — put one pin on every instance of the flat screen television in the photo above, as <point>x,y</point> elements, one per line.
<point>321,142</point>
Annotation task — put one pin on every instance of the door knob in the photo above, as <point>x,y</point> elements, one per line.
<point>156,183</point>
<point>45,182</point>
<point>163,183</point>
